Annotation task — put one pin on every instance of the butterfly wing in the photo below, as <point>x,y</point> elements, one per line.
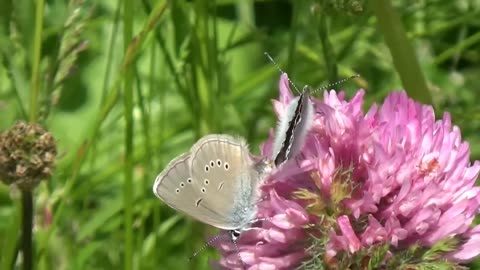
<point>227,180</point>
<point>293,128</point>
<point>175,186</point>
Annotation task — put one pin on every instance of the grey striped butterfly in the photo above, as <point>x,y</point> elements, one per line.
<point>216,182</point>
<point>293,126</point>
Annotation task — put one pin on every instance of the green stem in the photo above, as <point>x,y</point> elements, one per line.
<point>128,112</point>
<point>403,55</point>
<point>36,57</point>
<point>450,52</point>
<point>27,224</point>
<point>111,49</point>
<point>327,47</point>
<point>292,41</point>
<point>104,111</point>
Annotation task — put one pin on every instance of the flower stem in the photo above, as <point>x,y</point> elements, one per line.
<point>403,54</point>
<point>327,47</point>
<point>36,57</point>
<point>128,112</point>
<point>27,224</point>
<point>293,37</point>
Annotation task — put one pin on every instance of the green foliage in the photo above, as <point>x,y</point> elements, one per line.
<point>126,86</point>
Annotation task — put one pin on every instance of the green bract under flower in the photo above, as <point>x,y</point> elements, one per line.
<point>27,155</point>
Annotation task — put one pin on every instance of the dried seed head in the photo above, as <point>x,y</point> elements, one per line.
<point>27,155</point>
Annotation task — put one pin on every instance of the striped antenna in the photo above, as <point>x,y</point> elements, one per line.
<point>218,236</point>
<point>209,243</point>
<point>335,83</point>
<point>281,71</point>
<point>312,91</point>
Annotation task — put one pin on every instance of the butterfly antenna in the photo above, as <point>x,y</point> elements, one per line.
<point>335,83</point>
<point>206,245</point>
<point>281,71</point>
<point>238,254</point>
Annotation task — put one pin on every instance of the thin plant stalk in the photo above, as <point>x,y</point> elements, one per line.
<point>292,41</point>
<point>403,54</point>
<point>134,46</point>
<point>327,47</point>
<point>128,113</point>
<point>27,195</point>
<point>36,57</point>
<point>27,224</point>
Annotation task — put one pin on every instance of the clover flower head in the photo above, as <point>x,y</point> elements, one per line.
<point>387,188</point>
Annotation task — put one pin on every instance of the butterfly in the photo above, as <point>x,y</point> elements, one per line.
<point>216,182</point>
<point>293,127</point>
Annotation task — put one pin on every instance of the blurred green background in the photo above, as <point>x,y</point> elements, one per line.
<point>126,86</point>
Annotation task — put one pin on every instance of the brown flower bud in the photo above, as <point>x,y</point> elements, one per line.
<point>27,155</point>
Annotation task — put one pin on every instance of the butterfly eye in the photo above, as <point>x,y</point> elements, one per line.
<point>177,190</point>
<point>226,165</point>
<point>206,182</point>
<point>182,184</point>
<point>219,162</point>
<point>189,180</point>
<point>207,168</point>
<point>203,190</point>
<point>212,163</point>
<point>234,234</point>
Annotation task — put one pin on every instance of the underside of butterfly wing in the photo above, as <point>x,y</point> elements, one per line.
<point>227,179</point>
<point>177,188</point>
